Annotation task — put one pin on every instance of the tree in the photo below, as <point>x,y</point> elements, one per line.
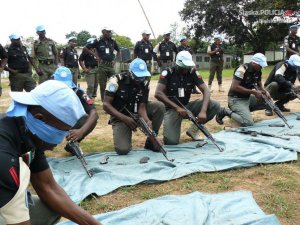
<point>232,18</point>
<point>82,36</point>
<point>71,34</point>
<point>123,41</point>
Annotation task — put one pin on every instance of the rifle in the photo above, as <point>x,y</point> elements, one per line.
<point>201,127</point>
<point>293,134</point>
<point>143,126</point>
<point>295,94</point>
<point>274,108</point>
<point>255,133</point>
<point>76,150</point>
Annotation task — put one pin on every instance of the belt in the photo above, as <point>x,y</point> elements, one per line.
<point>106,63</point>
<point>72,67</point>
<point>46,61</point>
<point>166,61</point>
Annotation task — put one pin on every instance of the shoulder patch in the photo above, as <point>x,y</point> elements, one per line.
<point>163,74</point>
<point>240,71</point>
<point>112,85</point>
<point>198,74</point>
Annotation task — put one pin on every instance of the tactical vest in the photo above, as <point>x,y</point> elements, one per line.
<point>70,57</point>
<point>166,50</point>
<point>293,44</point>
<point>144,50</point>
<point>219,55</point>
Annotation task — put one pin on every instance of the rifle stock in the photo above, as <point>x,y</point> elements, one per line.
<point>143,126</point>
<point>201,127</point>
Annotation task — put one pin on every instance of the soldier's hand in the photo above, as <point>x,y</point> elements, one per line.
<point>130,123</point>
<point>202,118</point>
<point>39,72</point>
<point>258,95</point>
<point>149,123</point>
<point>75,135</point>
<point>86,70</point>
<point>181,112</point>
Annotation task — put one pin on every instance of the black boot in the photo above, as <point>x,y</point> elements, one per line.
<point>221,114</point>
<point>280,105</point>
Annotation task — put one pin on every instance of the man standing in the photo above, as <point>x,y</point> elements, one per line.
<point>243,97</point>
<point>69,58</point>
<point>165,51</point>
<point>88,63</point>
<point>143,49</point>
<point>3,61</point>
<point>37,121</point>
<point>178,82</point>
<point>45,53</point>
<point>130,91</point>
<point>216,52</point>
<point>184,45</point>
<point>281,80</point>
<point>292,42</point>
<point>105,56</point>
<point>19,67</point>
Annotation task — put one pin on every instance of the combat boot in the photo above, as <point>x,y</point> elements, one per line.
<point>220,88</point>
<point>194,133</point>
<point>221,114</point>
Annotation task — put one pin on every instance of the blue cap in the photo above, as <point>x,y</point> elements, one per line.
<point>294,27</point>
<point>14,36</point>
<point>260,59</point>
<point>139,68</point>
<point>182,38</point>
<point>64,74</point>
<point>91,40</point>
<point>40,28</point>
<point>56,97</point>
<point>294,60</point>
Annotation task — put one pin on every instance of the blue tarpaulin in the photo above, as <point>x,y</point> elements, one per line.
<point>240,151</point>
<point>233,208</point>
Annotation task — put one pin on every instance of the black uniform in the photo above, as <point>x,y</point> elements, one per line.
<point>219,55</point>
<point>3,54</point>
<point>284,74</point>
<point>183,48</point>
<point>144,50</point>
<point>128,93</point>
<point>105,49</point>
<point>248,77</point>
<point>167,50</point>
<point>88,59</point>
<point>70,57</point>
<point>174,81</point>
<point>17,59</point>
<point>293,43</point>
<point>14,143</point>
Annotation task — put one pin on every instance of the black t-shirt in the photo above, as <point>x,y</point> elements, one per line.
<point>70,57</point>
<point>167,50</point>
<point>174,81</point>
<point>144,50</point>
<point>3,54</point>
<point>126,93</point>
<point>105,49</point>
<point>88,59</point>
<point>248,77</point>
<point>15,140</point>
<point>17,58</point>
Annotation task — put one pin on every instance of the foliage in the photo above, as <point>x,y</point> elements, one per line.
<point>123,41</point>
<point>231,18</point>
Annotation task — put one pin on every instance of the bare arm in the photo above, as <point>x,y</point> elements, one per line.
<point>85,49</point>
<point>160,94</point>
<point>206,97</point>
<point>143,112</point>
<point>58,200</point>
<point>236,86</point>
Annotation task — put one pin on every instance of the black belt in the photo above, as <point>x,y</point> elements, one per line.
<point>46,61</point>
<point>72,67</point>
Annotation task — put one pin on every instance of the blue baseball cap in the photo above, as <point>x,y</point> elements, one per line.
<point>260,59</point>
<point>294,60</point>
<point>40,28</point>
<point>56,97</point>
<point>14,36</point>
<point>294,27</point>
<point>139,68</point>
<point>64,74</point>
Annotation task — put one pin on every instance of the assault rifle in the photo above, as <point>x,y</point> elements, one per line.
<point>76,150</point>
<point>295,94</point>
<point>255,133</point>
<point>274,108</point>
<point>144,127</point>
<point>201,127</point>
